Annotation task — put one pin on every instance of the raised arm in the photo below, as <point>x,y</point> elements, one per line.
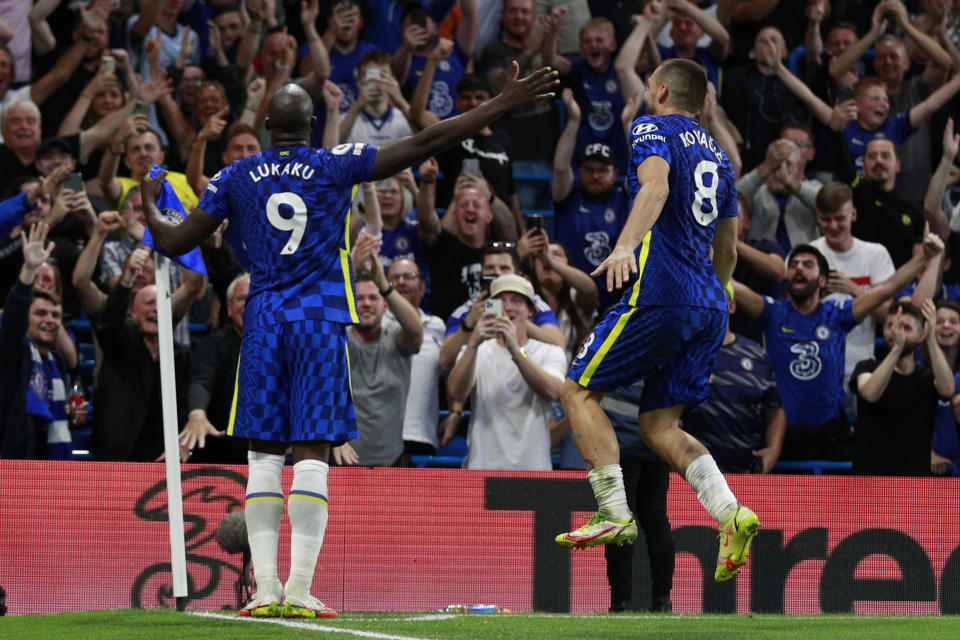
<point>91,298</point>
<point>149,10</point>
<point>907,273</point>
<point>398,155</point>
<point>626,61</point>
<point>419,114</point>
<point>332,95</point>
<point>943,378</point>
<point>820,109</point>
<point>719,38</point>
<point>847,61</point>
<point>549,26</point>
<point>921,112</point>
<point>467,28</point>
<point>319,58</point>
<point>715,122</point>
<point>745,10</point>
<point>932,209</point>
<point>748,300</point>
<point>870,386</point>
<point>813,40</point>
<point>563,178</point>
<point>428,221</point>
<point>410,336</point>
<point>936,54</point>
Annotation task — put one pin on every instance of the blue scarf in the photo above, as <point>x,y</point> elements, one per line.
<point>47,401</point>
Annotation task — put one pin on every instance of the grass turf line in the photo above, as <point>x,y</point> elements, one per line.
<point>165,624</point>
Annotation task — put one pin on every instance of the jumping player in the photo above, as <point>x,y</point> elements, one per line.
<point>291,204</point>
<point>668,326</point>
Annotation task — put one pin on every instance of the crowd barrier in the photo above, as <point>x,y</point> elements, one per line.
<point>81,536</point>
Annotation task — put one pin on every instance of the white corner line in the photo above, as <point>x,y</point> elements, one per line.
<point>308,626</point>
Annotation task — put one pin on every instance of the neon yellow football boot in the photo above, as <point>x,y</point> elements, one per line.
<point>600,530</point>
<point>736,534</point>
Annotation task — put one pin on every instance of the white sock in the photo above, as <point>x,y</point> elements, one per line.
<point>307,510</point>
<point>607,483</point>
<point>711,487</point>
<point>264,509</point>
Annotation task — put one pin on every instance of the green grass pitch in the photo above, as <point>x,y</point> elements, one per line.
<point>166,625</point>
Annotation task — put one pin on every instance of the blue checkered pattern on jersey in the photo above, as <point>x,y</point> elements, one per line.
<point>291,208</point>
<point>671,348</point>
<point>294,384</point>
<point>674,259</point>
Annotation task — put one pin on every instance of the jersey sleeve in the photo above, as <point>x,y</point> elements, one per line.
<point>728,199</point>
<point>769,310</point>
<point>648,139</point>
<point>351,163</point>
<point>844,314</point>
<point>214,199</point>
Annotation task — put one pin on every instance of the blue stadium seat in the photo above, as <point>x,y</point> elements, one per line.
<point>816,467</point>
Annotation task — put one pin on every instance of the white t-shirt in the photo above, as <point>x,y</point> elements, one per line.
<point>379,131</point>
<point>509,426</point>
<point>423,399</point>
<point>867,264</point>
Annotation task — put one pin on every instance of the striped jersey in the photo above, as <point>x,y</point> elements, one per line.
<point>292,208</point>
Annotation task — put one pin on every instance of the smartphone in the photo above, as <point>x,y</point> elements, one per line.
<point>74,182</point>
<point>108,65</point>
<point>471,166</point>
<point>420,19</point>
<point>534,221</point>
<point>141,108</point>
<point>485,282</point>
<point>372,73</point>
<point>844,93</point>
<point>493,306</point>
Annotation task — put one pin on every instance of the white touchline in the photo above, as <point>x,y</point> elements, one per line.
<point>309,626</point>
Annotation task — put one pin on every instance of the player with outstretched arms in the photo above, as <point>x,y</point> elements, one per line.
<point>291,205</point>
<point>670,323</point>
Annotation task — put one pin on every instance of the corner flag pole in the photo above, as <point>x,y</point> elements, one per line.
<point>171,443</point>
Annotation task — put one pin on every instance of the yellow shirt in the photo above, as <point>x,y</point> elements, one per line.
<point>177,180</point>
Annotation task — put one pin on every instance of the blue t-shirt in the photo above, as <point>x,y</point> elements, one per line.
<point>342,67</point>
<point>291,206</point>
<point>730,422</point>
<point>807,352</point>
<point>946,439</point>
<point>589,231</point>
<point>674,265</point>
<point>443,91</point>
<point>896,127</point>
<point>600,103</point>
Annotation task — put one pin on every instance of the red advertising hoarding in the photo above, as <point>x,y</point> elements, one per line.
<point>80,536</point>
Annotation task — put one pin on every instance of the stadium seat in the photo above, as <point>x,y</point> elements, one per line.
<point>816,467</point>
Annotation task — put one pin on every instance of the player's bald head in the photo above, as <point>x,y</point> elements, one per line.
<point>290,111</point>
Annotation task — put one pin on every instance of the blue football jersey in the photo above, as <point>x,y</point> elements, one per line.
<point>807,352</point>
<point>674,266</point>
<point>292,209</point>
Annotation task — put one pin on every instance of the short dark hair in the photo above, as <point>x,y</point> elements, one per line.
<point>363,276</point>
<point>832,196</point>
<point>238,128</point>
<point>374,56</point>
<point>811,250</point>
<point>687,81</point>
<point>845,24</point>
<point>474,82</point>
<point>49,296</point>
<point>880,137</point>
<point>949,304</point>
<point>908,308</point>
<point>796,124</point>
<point>495,248</point>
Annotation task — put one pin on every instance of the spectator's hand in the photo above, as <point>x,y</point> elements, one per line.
<point>486,328</point>
<point>951,142</point>
<point>134,125</point>
<point>788,177</point>
<point>573,109</point>
<point>196,430</point>
<point>158,87</point>
<point>768,456</point>
<point>938,464</point>
<point>82,208</point>
<point>97,84</point>
<point>448,427</point>
<point>256,10</point>
<point>709,112</point>
<point>309,11</point>
<point>842,113</point>
<point>108,221</point>
<point>134,265</point>
<point>187,45</point>
<point>677,6</point>
<point>429,169</point>
<point>391,88</point>
<point>540,84</point>
<point>559,14</point>
<point>442,51</point>
<point>476,310</point>
<point>77,415</point>
<point>407,181</point>
<point>34,253</point>
<point>878,24</point>
<point>45,186</point>
<point>470,181</point>
<point>929,310</point>
<point>896,332</point>
<point>932,244</point>
<point>215,239</point>
<point>508,331</point>
<point>214,37</point>
<point>332,95</point>
<point>363,250</point>
<point>656,13</point>
<point>630,111</point>
<point>255,93</point>
<point>122,58</point>
<point>838,282</point>
<point>531,243</point>
<point>344,18</point>
<point>899,11</point>
<point>214,126</point>
<point>816,11</point>
<point>99,8</point>
<point>367,93</point>
<point>151,47</point>
<point>414,36</point>
<point>619,266</point>
<point>345,455</point>
<point>61,207</point>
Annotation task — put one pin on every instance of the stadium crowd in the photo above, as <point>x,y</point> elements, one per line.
<point>473,283</point>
